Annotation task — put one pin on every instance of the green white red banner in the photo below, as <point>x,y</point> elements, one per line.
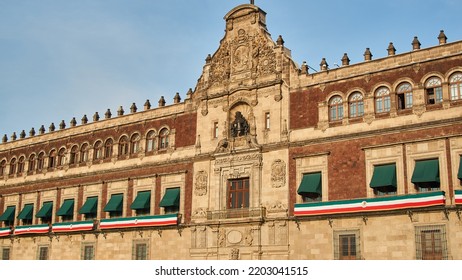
<point>32,229</point>
<point>370,204</point>
<point>72,226</point>
<point>145,221</point>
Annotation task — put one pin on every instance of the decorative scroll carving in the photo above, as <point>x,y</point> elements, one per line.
<point>248,239</point>
<point>200,213</point>
<point>278,174</point>
<point>200,186</point>
<point>221,238</point>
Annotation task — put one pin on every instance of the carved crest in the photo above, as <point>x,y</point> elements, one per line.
<point>200,186</point>
<point>278,174</point>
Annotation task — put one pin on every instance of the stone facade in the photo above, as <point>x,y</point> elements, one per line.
<point>219,175</point>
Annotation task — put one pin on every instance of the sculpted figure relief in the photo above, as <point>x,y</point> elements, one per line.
<point>240,126</point>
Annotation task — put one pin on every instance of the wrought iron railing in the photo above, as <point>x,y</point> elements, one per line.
<point>236,213</point>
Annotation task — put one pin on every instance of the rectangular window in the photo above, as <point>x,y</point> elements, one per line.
<point>88,252</point>
<point>141,251</point>
<point>346,245</point>
<point>215,130</point>
<point>431,243</point>
<point>43,253</point>
<point>171,201</point>
<point>267,120</point>
<point>5,254</point>
<point>238,193</point>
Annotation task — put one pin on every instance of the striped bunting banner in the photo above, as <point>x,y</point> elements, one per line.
<point>72,226</point>
<point>371,204</point>
<point>5,232</point>
<point>458,196</point>
<point>45,228</point>
<point>141,221</point>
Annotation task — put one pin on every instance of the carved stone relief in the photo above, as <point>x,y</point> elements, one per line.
<point>234,254</point>
<point>200,185</point>
<point>278,174</point>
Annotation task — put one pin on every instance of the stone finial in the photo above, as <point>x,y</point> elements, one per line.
<point>280,41</point>
<point>415,43</point>
<point>391,49</point>
<point>96,117</point>
<point>189,93</point>
<point>73,122</point>
<point>345,60</point>
<point>42,129</point>
<point>13,136</point>
<point>62,125</point>
<point>52,127</point>
<point>84,119</point>
<point>147,105</point>
<point>162,101</point>
<point>133,108</point>
<point>177,98</point>
<point>32,132</point>
<point>22,135</point>
<point>323,64</point>
<point>367,55</point>
<point>121,111</point>
<point>4,138</point>
<point>208,59</point>
<point>442,38</point>
<point>304,68</point>
<point>108,114</point>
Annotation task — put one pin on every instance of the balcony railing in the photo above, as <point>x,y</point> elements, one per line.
<point>237,213</point>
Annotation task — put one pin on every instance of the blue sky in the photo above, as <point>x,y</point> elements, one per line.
<point>63,59</point>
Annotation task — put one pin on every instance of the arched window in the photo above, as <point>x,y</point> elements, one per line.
<point>84,152</point>
<point>40,161</point>
<point>123,146</point>
<point>21,163</point>
<point>335,108</point>
<point>61,157</point>
<point>52,159</point>
<point>108,148</point>
<point>98,150</point>
<point>151,141</point>
<point>455,85</point>
<point>356,105</point>
<point>73,154</point>
<point>434,91</point>
<point>12,166</point>
<point>163,138</point>
<point>2,168</point>
<point>135,143</point>
<point>382,100</point>
<point>31,166</point>
<point>404,93</point>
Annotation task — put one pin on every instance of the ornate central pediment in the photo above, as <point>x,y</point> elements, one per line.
<point>245,53</point>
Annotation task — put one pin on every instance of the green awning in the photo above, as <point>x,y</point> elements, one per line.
<point>311,183</point>
<point>142,201</point>
<point>90,206</point>
<point>171,198</point>
<point>459,175</point>
<point>115,203</point>
<point>26,212</point>
<point>45,211</point>
<point>384,176</point>
<point>426,171</point>
<point>67,208</point>
<point>8,215</point>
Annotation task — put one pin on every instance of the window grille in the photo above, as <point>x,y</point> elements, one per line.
<point>88,252</point>
<point>5,254</point>
<point>43,253</point>
<point>347,245</point>
<point>431,243</point>
<point>140,250</point>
